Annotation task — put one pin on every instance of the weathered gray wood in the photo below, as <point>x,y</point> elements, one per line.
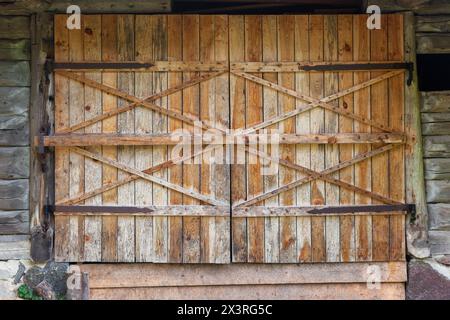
<point>437,169</point>
<point>438,191</point>
<point>435,101</point>
<point>14,163</point>
<point>14,194</point>
<point>14,74</point>
<point>431,129</point>
<point>14,247</point>
<point>428,117</point>
<point>18,137</point>
<point>14,222</point>
<point>439,216</point>
<point>437,146</point>
<point>433,24</point>
<point>433,42</point>
<point>113,6</point>
<point>13,107</point>
<point>14,49</point>
<point>439,242</point>
<point>417,6</point>
<point>17,27</point>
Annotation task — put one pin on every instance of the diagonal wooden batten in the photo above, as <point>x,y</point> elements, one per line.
<point>148,177</point>
<point>164,165</point>
<point>319,175</point>
<point>315,102</point>
<point>136,101</point>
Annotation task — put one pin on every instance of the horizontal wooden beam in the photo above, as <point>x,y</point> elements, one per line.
<point>81,139</point>
<point>366,210</point>
<point>209,211</point>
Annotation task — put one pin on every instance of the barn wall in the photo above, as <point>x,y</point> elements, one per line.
<point>14,136</point>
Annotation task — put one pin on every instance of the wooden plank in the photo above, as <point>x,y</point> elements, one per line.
<point>439,242</point>
<point>14,163</point>
<point>144,86</point>
<point>270,106</point>
<point>14,27</point>
<point>428,7</point>
<point>76,161</point>
<point>13,247</point>
<point>238,169</point>
<point>14,111</point>
<point>428,117</point>
<point>154,275</point>
<point>316,51</point>
<point>125,154</point>
<point>439,216</point>
<point>438,191</point>
<point>388,291</point>
<point>437,169</point>
<point>396,156</point>
<point>62,224</point>
<point>14,222</point>
<point>109,174</point>
<point>303,152</point>
<point>288,225</point>
<point>332,124</point>
<point>175,51</point>
<point>345,53</point>
<point>15,49</point>
<point>432,24</point>
<point>191,172</point>
<point>379,112</point>
<point>433,43</point>
<point>435,101</point>
<point>440,128</point>
<point>253,52</point>
<point>363,170</point>
<point>14,74</point>
<point>159,155</point>
<point>92,46</point>
<point>436,146</point>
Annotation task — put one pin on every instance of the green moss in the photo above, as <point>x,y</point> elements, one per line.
<point>26,293</point>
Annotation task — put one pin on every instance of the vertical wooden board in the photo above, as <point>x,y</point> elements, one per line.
<point>76,164</point>
<point>363,170</point>
<point>191,172</point>
<point>238,169</point>
<point>346,197</point>
<point>253,52</point>
<point>288,225</point>
<point>175,53</point>
<point>109,174</point>
<point>160,232</point>
<point>143,125</point>
<point>331,85</point>
<point>380,163</point>
<point>125,154</point>
<point>316,51</point>
<point>222,119</point>
<point>396,157</point>
<point>207,114</point>
<point>270,105</point>
<point>62,224</point>
<point>303,127</point>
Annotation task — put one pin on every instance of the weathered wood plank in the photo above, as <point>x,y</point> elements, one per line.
<point>433,43</point>
<point>438,191</point>
<point>14,163</point>
<point>14,27</point>
<point>14,107</point>
<point>439,242</point>
<point>433,23</point>
<point>439,215</point>
<point>113,6</point>
<point>436,128</point>
<point>428,117</point>
<point>14,74</point>
<point>436,146</point>
<point>422,7</point>
<point>14,222</point>
<point>14,194</point>
<point>437,169</point>
<point>435,101</point>
<point>15,50</point>
<point>14,247</point>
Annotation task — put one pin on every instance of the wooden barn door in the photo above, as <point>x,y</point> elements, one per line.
<point>123,83</point>
<point>330,89</point>
<point>338,193</point>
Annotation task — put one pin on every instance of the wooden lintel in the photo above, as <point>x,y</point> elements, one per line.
<point>80,139</point>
